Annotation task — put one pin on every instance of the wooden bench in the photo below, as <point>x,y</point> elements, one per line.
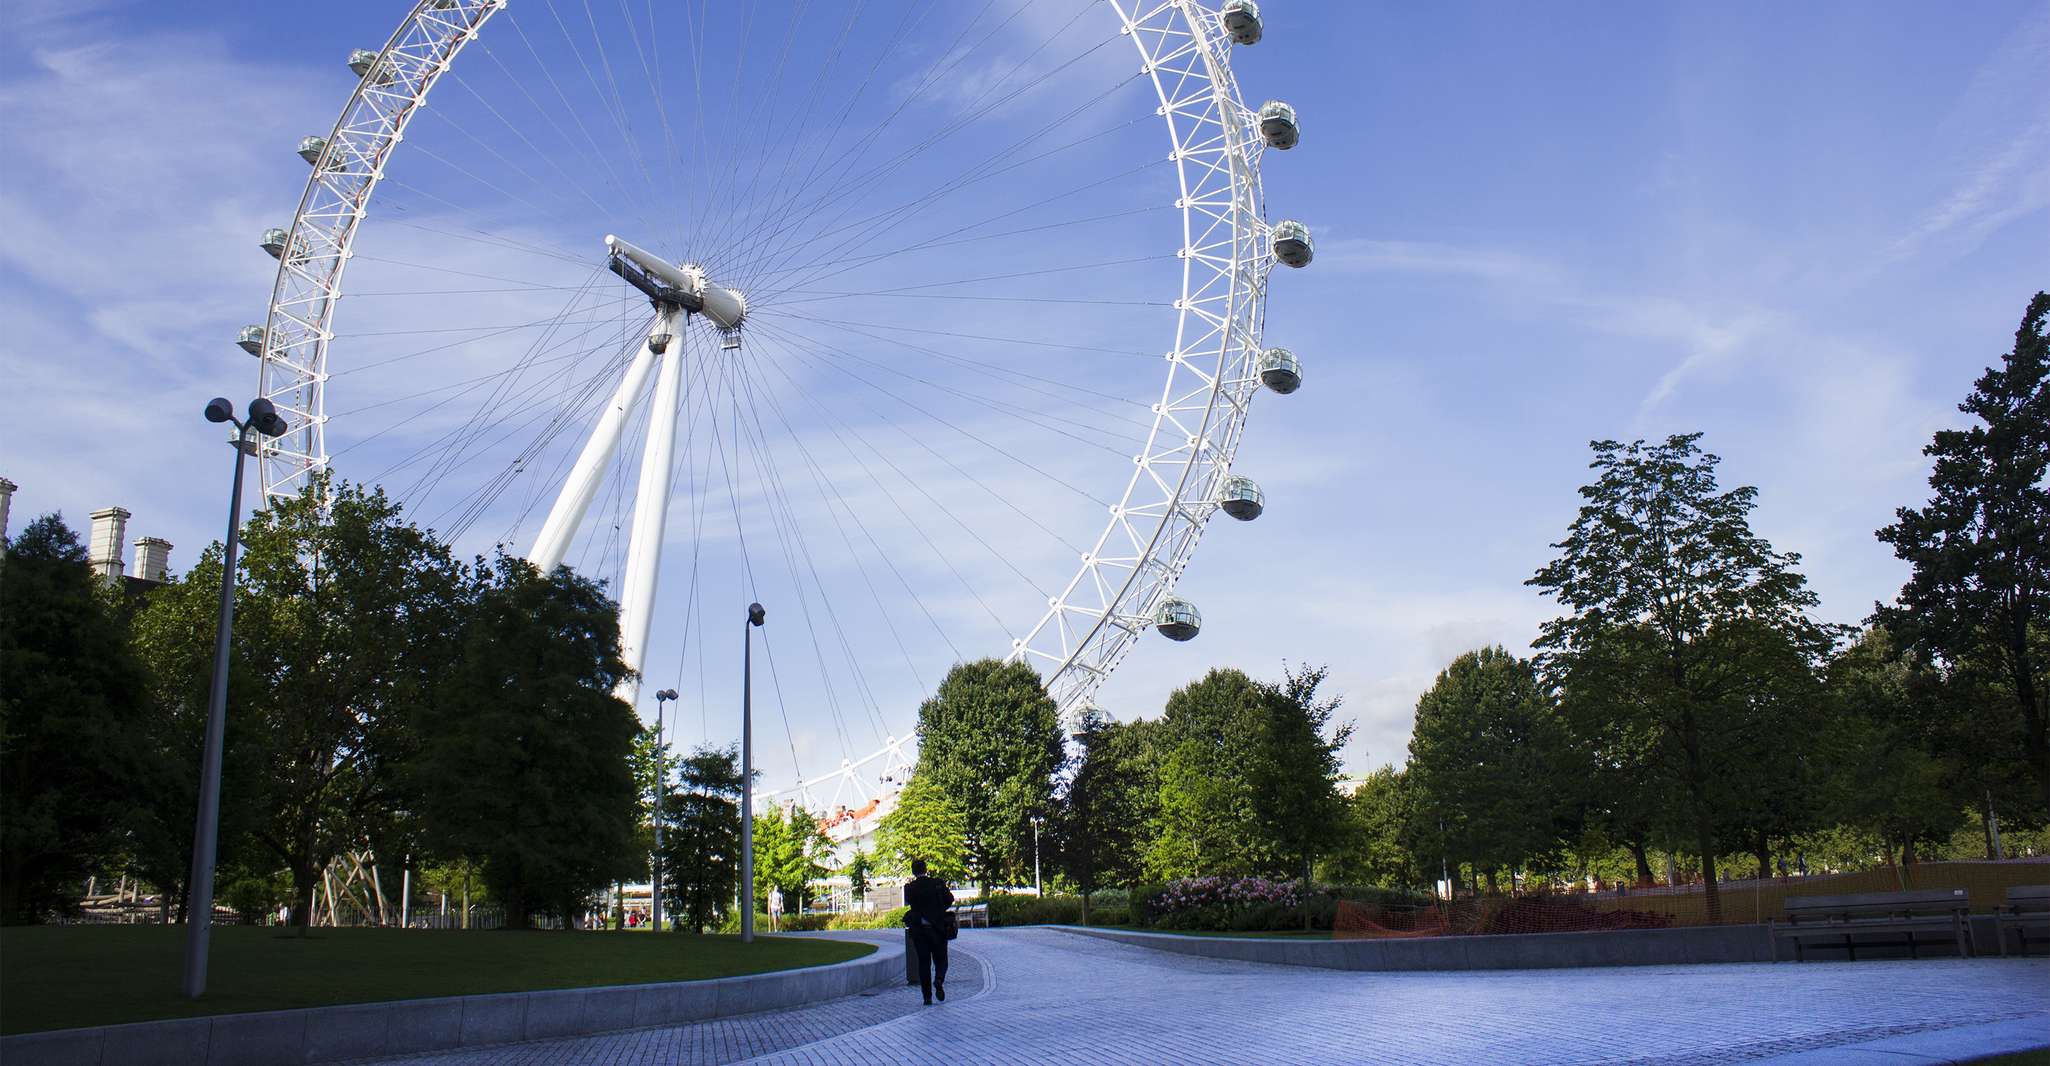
<point>1847,917</point>
<point>2027,907</point>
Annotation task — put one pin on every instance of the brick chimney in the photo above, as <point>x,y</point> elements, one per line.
<point>152,559</point>
<point>110,524</point>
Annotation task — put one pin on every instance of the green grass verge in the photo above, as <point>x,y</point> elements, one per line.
<point>62,977</point>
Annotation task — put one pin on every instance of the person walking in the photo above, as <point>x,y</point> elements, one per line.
<point>927,900</point>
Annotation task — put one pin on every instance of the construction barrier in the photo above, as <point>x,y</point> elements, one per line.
<point>1743,902</point>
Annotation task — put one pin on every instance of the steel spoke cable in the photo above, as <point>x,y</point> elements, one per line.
<point>842,432</point>
<point>830,494</point>
<point>987,169</point>
<point>896,163</point>
<point>1040,419</point>
<point>791,211</point>
<point>995,368</point>
<point>795,344</point>
<point>817,348</point>
<point>795,532</point>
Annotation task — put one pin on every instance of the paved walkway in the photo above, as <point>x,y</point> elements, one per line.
<point>1041,995</point>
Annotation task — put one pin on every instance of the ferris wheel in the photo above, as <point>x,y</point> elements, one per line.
<point>904,312</point>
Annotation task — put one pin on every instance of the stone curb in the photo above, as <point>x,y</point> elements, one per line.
<point>1524,951</point>
<point>402,1027</point>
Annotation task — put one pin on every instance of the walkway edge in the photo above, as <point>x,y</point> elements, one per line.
<point>1519,951</point>
<point>1963,1044</point>
<point>401,1027</point>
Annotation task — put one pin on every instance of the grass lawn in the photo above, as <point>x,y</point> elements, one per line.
<point>61,977</point>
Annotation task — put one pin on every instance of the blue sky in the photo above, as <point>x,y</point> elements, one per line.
<point>1800,230</point>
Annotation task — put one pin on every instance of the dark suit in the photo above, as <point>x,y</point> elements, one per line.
<point>928,898</point>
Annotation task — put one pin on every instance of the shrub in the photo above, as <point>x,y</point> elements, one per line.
<point>1035,910</point>
<point>1250,904</point>
<point>788,923</point>
<point>889,919</point>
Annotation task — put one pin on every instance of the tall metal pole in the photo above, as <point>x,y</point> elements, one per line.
<point>1036,889</point>
<point>661,794</point>
<point>199,906</point>
<point>755,616</point>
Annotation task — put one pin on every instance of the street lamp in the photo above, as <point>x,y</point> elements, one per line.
<point>1036,889</point>
<point>263,420</point>
<point>755,617</point>
<point>661,794</point>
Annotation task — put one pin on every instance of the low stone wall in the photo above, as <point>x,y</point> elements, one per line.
<point>1626,947</point>
<point>361,1030</point>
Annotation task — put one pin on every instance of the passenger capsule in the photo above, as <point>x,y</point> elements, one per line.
<point>1242,21</point>
<point>1178,619</point>
<point>311,147</point>
<point>1278,126</point>
<point>250,340</point>
<point>361,60</point>
<point>274,242</point>
<point>1280,370</point>
<point>1241,498</point>
<point>1292,243</point>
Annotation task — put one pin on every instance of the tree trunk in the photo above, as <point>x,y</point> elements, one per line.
<point>1306,893</point>
<point>304,884</point>
<point>1764,853</point>
<point>1085,906</point>
<point>466,893</point>
<point>1644,874</point>
<point>1908,851</point>
<point>1704,823</point>
<point>1494,888</point>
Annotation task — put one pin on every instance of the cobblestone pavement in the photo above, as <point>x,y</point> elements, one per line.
<point>1043,996</point>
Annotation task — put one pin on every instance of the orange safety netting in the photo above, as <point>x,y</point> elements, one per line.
<point>1742,902</point>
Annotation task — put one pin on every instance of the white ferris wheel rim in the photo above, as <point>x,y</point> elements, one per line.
<point>1212,374</point>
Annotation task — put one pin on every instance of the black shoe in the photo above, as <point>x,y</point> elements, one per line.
<point>928,1001</point>
<point>940,991</point>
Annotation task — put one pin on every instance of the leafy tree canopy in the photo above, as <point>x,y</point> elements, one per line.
<point>990,738</point>
<point>1980,547</point>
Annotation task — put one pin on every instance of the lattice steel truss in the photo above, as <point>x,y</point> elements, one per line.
<point>1172,493</point>
<point>296,334</point>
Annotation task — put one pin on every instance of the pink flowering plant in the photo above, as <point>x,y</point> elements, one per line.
<point>1222,903</point>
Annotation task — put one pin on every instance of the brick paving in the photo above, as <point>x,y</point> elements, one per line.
<point>1041,995</point>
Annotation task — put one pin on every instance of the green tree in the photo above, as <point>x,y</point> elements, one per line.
<point>928,824</point>
<point>1248,777</point>
<point>525,761</point>
<point>991,739</point>
<point>1207,822</point>
<point>1295,772</point>
<point>1980,548</point>
<point>1486,763</point>
<point>70,695</point>
<point>790,852</point>
<point>1885,777</point>
<point>701,838</point>
<point>345,616</point>
<point>1104,815</point>
<point>1376,849</point>
<point>860,867</point>
<point>1655,570</point>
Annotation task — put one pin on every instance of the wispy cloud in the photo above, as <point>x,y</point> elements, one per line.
<point>2001,164</point>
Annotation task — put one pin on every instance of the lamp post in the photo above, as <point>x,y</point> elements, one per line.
<point>1036,889</point>
<point>263,420</point>
<point>755,617</point>
<point>661,794</point>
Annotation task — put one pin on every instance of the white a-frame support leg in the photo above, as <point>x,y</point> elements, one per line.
<point>582,486</point>
<point>651,515</point>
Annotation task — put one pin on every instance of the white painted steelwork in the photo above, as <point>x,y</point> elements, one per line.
<point>1227,251</point>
